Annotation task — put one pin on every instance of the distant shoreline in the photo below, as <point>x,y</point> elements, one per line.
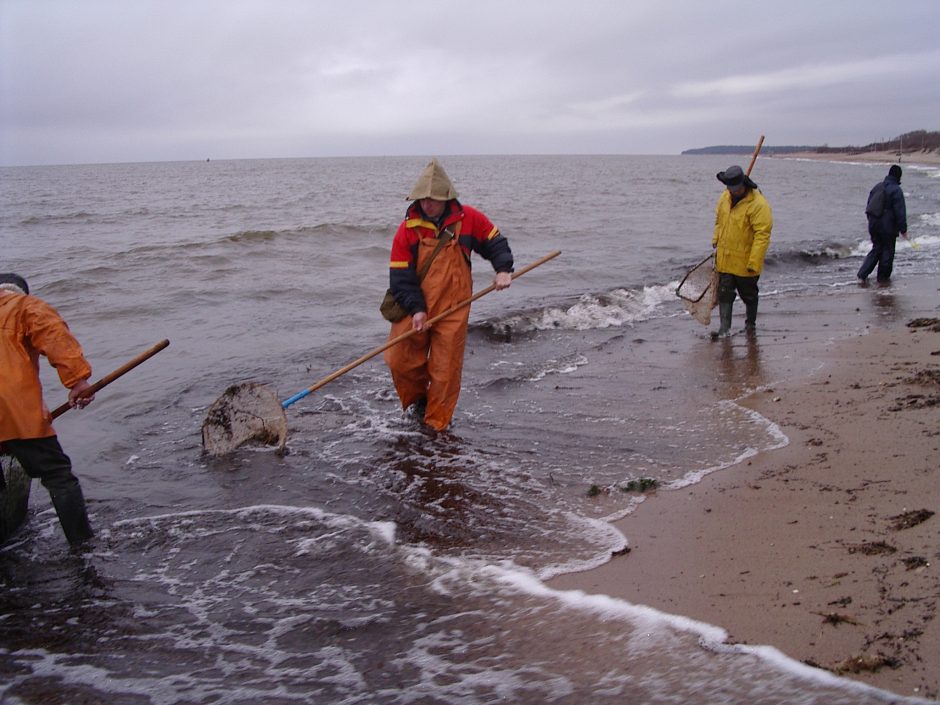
<point>929,158</point>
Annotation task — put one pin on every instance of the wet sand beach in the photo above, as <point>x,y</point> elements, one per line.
<point>827,548</point>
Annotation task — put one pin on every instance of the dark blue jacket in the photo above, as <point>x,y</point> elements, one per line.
<point>893,219</point>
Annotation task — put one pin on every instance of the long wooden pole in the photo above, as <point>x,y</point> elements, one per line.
<point>122,370</point>
<point>750,166</point>
<point>397,339</point>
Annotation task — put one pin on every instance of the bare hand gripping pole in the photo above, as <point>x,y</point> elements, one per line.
<point>119,372</point>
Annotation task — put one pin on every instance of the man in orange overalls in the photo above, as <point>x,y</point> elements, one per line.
<point>29,327</point>
<point>426,367</point>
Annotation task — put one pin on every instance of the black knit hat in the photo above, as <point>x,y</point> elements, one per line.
<point>14,279</point>
<point>895,171</point>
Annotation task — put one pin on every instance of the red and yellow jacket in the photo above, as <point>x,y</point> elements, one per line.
<point>476,234</point>
<point>29,327</point>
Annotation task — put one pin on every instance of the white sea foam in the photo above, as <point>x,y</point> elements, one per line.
<point>619,307</point>
<point>563,366</point>
<point>775,438</point>
<point>601,532</point>
<point>930,171</point>
<point>383,530</point>
<point>650,627</point>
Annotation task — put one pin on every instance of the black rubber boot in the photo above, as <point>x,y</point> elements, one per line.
<point>724,314</point>
<point>418,408</point>
<point>750,317</point>
<point>70,506</point>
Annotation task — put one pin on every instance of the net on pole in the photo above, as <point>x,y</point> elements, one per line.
<point>243,413</point>
<point>699,290</point>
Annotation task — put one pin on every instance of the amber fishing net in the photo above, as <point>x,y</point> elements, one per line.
<point>244,412</point>
<point>699,290</point>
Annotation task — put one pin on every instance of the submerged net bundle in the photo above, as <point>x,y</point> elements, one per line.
<point>699,290</point>
<point>14,495</point>
<point>243,413</point>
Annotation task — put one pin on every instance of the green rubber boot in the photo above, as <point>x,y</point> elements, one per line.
<point>750,319</point>
<point>724,314</point>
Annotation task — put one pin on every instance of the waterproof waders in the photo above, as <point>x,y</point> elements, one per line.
<point>427,367</point>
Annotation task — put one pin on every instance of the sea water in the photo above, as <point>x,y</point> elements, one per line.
<point>377,562</point>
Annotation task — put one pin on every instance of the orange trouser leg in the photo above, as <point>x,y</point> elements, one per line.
<point>407,362</point>
<point>430,365</point>
<point>445,368</point>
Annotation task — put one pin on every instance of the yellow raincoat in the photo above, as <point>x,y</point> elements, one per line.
<point>742,234</point>
<point>29,327</point>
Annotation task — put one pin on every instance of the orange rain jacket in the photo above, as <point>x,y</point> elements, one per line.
<point>29,327</point>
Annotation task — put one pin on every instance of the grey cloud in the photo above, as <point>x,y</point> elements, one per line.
<point>109,80</point>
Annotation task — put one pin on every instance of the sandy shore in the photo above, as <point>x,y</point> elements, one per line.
<point>924,158</point>
<point>828,548</point>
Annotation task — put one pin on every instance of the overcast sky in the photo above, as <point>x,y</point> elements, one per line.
<point>138,80</point>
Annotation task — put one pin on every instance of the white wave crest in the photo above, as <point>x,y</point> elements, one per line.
<point>931,220</point>
<point>592,312</point>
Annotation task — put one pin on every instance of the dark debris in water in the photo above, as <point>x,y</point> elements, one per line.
<point>932,324</point>
<point>928,377</point>
<point>908,519</point>
<point>865,663</point>
<point>873,548</point>
<point>915,401</point>
<point>643,484</point>
<point>915,562</point>
<point>835,619</point>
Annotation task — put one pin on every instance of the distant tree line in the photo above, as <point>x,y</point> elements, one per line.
<point>766,150</point>
<point>908,143</point>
